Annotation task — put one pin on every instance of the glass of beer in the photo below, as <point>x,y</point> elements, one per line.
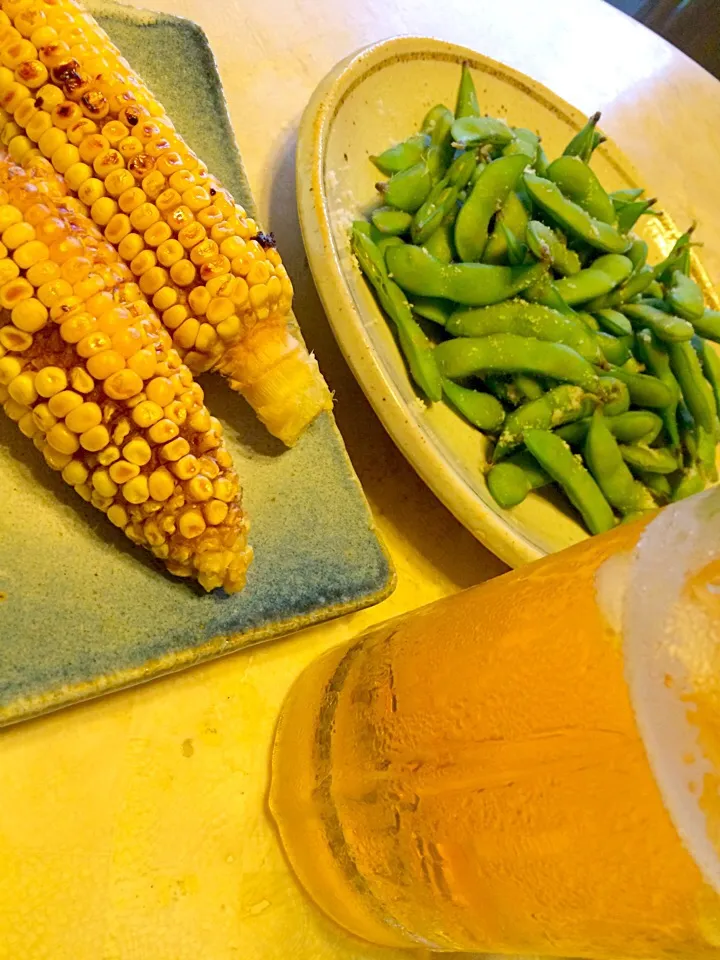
<point>530,766</point>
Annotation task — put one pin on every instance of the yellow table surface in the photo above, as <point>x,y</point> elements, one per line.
<point>135,827</point>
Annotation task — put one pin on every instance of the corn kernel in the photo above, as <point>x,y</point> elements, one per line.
<point>95,439</point>
<point>147,413</point>
<point>84,490</point>
<point>38,124</point>
<point>229,329</point>
<point>165,298</point>
<point>19,147</point>
<point>65,156</point>
<point>186,334</point>
<point>14,340</point>
<point>152,280</point>
<point>122,385</point>
<point>44,272</point>
<point>130,199</point>
<point>224,489</point>
<point>136,490</point>
<point>30,253</point>
<point>183,272</point>
<point>77,327</point>
<point>43,417</point>
<point>81,130</point>
<point>61,403</point>
<point>75,472</point>
<point>81,380</point>
<point>108,456</point>
<point>103,484</point>
<point>107,364</point>
<point>143,363</point>
<point>143,262</point>
<point>175,449</point>
<point>10,367</point>
<point>186,467</point>
<point>22,389</point>
<point>191,524</point>
<point>92,344</point>
<point>170,252</point>
<point>117,515</point>
<point>144,216</point>
<point>91,190</point>
<point>9,271</point>
<point>191,235</point>
<point>158,233</point>
<point>65,114</point>
<point>15,410</point>
<point>103,210</point>
<point>199,488</point>
<point>121,471</point>
<point>176,412</point>
<point>55,458</point>
<point>161,484</point>
<point>137,451</point>
<point>121,431</point>
<point>50,380</point>
<point>83,418</point>
<point>126,341</point>
<point>163,430</point>
<point>17,234</point>
<point>62,439</point>
<point>51,140</point>
<point>27,425</point>
<point>52,292</point>
<point>130,246</point>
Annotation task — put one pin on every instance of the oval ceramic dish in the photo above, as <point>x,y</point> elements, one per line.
<point>369,101</point>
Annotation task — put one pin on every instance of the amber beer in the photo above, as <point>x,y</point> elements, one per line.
<point>473,776</point>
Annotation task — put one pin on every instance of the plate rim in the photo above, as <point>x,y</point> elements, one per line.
<point>346,319</point>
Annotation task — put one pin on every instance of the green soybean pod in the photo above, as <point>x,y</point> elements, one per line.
<point>470,132</point>
<point>650,459</point>
<point>467,101</point>
<point>579,183</point>
<point>510,482</point>
<point>708,325</point>
<point>507,353</point>
<point>545,244</point>
<point>696,391</point>
<point>585,140</point>
<point>614,322</point>
<point>408,189</point>
<point>711,367</point>
<point>489,192</point>
<point>645,391</point>
<point>606,464</point>
<point>685,297</point>
<point>402,155</point>
<point>658,484</point>
<point>665,326</point>
<point>431,308</point>
<point>391,222</point>
<point>604,275</point>
<point>614,396</point>
<point>617,350</point>
<point>512,215</point>
<point>480,409</point>
<point>528,386</point>
<point>558,461</point>
<point>654,355</point>
<point>560,405</point>
<point>440,244</point>
<point>437,125</point>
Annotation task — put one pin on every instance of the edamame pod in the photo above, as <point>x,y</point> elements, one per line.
<point>514,216</point>
<point>626,196</point>
<point>614,396</point>
<point>560,405</point>
<point>579,183</point>
<point>711,367</point>
<point>606,464</point>
<point>415,345</point>
<point>708,325</point>
<point>431,213</point>
<point>649,459</point>
<point>481,409</point>
<point>603,276</point>
<point>408,189</point>
<point>470,284</point>
<point>558,461</point>
<point>546,245</point>
<point>391,222</point>
<point>638,253</point>
<point>632,288</point>
<point>525,320</point>
<point>633,426</point>
<point>696,391</point>
<point>654,355</point>
<point>614,322</point>
<point>510,482</point>
<point>508,353</point>
<point>402,155</point>
<point>630,213</point>
<point>585,140</point>
<point>440,244</point>
<point>439,311</point>
<point>685,297</point>
<point>470,132</point>
<point>528,386</point>
<point>524,142</point>
<point>616,349</point>
<point>437,125</point>
<point>467,101</point>
<point>658,485</point>
<point>645,391</point>
<point>665,326</point>
<point>598,234</point>
<point>490,191</point>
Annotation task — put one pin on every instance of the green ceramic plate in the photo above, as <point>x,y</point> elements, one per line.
<point>82,611</point>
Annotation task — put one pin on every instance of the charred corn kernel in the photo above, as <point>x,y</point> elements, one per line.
<point>147,413</point>
<point>121,471</point>
<point>121,385</point>
<point>174,450</point>
<point>95,439</point>
<point>103,483</point>
<point>10,367</point>
<point>163,430</point>
<point>137,451</point>
<point>80,130</point>
<point>191,524</point>
<point>186,467</point>
<point>136,490</point>
<point>49,95</point>
<point>12,339</point>
<point>75,472</point>
<point>103,210</point>
<point>65,114</point>
<point>22,389</point>
<point>61,403</point>
<point>81,380</point>
<point>118,515</point>
<point>107,364</point>
<point>215,512</point>
<point>90,190</point>
<point>62,439</point>
<point>84,417</point>
<point>50,381</point>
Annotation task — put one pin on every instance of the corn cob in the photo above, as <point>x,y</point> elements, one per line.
<point>215,279</point>
<point>89,373</point>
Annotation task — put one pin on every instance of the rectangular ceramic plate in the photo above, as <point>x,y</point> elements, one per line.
<point>83,611</point>
<point>375,98</point>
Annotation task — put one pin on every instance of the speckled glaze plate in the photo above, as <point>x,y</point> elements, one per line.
<point>82,611</point>
<point>374,98</point>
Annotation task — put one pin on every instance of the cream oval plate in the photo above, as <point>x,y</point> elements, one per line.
<point>371,100</point>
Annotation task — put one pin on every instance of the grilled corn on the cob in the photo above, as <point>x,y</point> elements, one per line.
<point>89,373</point>
<point>215,279</point>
